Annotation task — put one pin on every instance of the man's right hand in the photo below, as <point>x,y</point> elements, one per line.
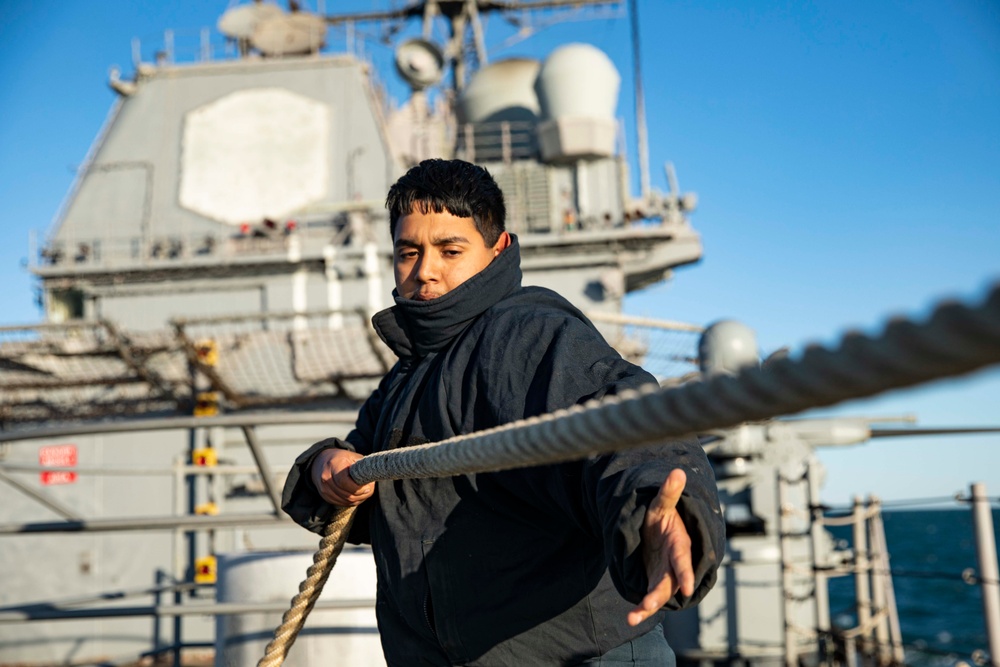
<point>334,483</point>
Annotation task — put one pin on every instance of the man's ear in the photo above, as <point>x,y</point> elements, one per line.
<point>502,243</point>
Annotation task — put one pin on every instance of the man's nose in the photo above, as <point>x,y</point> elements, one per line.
<point>427,268</point>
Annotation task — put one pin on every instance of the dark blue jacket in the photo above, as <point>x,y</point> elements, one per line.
<point>534,566</point>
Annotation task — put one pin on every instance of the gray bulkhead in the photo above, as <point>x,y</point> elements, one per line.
<point>91,566</point>
<point>255,186</point>
<point>141,239</point>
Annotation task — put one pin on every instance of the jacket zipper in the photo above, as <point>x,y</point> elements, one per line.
<point>428,615</point>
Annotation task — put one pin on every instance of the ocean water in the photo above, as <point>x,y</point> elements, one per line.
<point>941,616</point>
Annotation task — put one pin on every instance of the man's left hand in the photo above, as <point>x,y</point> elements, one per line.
<point>666,550</point>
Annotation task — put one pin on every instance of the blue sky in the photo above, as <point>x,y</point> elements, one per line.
<point>846,156</point>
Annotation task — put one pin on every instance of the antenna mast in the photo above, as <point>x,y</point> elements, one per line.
<point>461,15</point>
<point>640,103</point>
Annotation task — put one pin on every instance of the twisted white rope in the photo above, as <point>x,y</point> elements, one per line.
<point>957,339</point>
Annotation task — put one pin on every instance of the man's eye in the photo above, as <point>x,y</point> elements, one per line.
<point>409,254</point>
<point>452,253</point>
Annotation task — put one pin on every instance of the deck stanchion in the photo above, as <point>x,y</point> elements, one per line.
<point>880,544</point>
<point>850,652</point>
<point>817,533</point>
<point>862,590</point>
<point>989,574</point>
<point>787,582</point>
<point>879,574</point>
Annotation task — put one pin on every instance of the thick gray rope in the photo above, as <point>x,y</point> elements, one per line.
<point>957,339</point>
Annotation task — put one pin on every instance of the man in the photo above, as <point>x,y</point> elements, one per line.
<point>564,564</point>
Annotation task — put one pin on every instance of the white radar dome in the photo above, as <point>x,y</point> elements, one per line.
<point>578,80</point>
<point>727,347</point>
<point>501,91</point>
<point>577,88</point>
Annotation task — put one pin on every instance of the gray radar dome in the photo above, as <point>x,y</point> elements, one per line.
<point>577,88</point>
<point>727,347</point>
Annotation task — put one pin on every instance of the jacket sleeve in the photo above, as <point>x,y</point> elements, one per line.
<point>568,362</point>
<point>618,488</point>
<point>300,499</point>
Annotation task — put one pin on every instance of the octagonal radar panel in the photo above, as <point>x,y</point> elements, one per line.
<point>254,154</point>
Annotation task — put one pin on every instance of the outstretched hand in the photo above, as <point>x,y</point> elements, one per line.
<point>666,550</point>
<point>333,481</point>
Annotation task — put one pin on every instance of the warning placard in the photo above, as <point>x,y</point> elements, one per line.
<point>57,456</point>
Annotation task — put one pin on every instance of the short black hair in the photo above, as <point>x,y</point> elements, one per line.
<point>458,187</point>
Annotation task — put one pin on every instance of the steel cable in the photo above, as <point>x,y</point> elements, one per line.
<point>838,511</point>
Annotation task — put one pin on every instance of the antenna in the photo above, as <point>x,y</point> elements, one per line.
<point>640,102</point>
<point>420,63</point>
<point>461,15</point>
<point>674,188</point>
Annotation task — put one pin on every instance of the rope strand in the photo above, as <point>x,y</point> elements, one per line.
<point>334,537</point>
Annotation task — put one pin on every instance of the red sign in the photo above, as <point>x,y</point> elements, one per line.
<point>57,456</point>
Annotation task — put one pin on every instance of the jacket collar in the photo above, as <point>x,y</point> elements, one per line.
<point>417,328</point>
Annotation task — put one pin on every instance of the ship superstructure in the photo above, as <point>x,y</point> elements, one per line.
<point>214,268</point>
<point>255,184</point>
<point>208,287</point>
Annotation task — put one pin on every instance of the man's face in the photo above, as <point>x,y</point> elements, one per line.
<point>436,252</point>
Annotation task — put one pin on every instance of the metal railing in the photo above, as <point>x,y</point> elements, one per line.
<point>74,522</point>
<point>503,141</point>
<point>93,369</point>
<point>164,250</point>
<point>876,638</point>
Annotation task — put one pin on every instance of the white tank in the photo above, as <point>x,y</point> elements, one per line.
<point>577,88</point>
<point>330,637</point>
<point>501,91</point>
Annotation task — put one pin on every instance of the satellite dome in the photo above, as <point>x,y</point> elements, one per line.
<point>577,88</point>
<point>727,347</point>
<point>501,91</point>
<point>578,80</point>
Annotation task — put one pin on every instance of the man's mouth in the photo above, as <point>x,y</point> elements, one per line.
<point>425,296</point>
